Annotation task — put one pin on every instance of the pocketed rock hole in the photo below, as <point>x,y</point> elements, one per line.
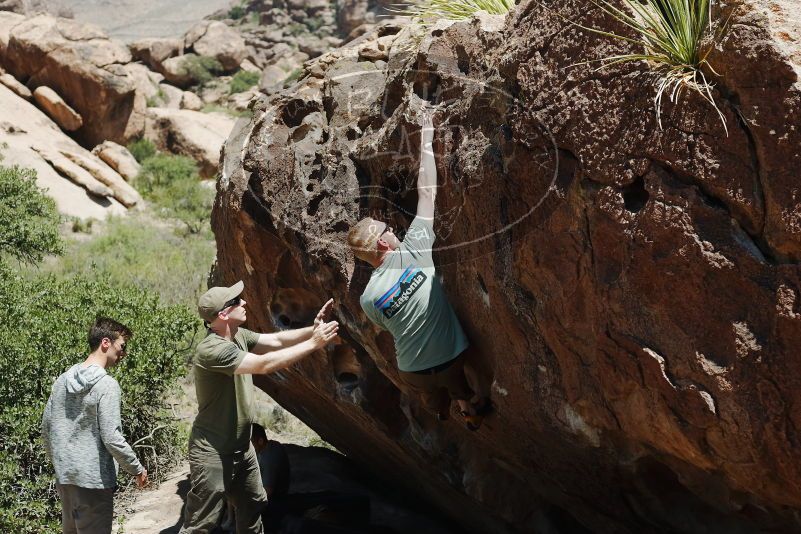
<point>347,369</point>
<point>635,196</point>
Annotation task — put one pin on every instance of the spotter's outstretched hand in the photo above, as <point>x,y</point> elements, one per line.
<point>324,313</point>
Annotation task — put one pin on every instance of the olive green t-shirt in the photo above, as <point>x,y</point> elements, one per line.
<point>405,297</point>
<point>225,400</point>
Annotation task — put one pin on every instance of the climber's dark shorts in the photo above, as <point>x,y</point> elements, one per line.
<point>439,385</point>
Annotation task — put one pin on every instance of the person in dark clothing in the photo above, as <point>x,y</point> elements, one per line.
<point>273,463</point>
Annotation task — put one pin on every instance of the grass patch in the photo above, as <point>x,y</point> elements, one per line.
<point>156,100</point>
<point>173,185</point>
<point>136,250</point>
<point>243,80</point>
<point>202,69</point>
<point>237,12</point>
<point>141,149</point>
<point>313,24</point>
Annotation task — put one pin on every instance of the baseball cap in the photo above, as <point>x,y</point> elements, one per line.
<point>215,298</point>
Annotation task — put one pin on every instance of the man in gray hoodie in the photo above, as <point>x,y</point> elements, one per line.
<point>83,434</point>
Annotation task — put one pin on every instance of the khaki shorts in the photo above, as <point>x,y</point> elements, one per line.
<point>437,389</point>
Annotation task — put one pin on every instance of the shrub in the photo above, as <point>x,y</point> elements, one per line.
<point>313,24</point>
<point>141,149</point>
<point>28,218</point>
<point>159,98</point>
<point>46,336</point>
<point>243,80</point>
<point>172,183</point>
<point>237,12</point>
<point>676,37</point>
<point>202,69</point>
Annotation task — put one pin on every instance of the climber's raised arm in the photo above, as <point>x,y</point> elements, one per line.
<point>427,175</point>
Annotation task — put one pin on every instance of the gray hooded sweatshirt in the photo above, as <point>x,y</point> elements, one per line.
<point>82,429</point>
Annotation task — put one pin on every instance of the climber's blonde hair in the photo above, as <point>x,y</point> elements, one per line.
<point>363,240</point>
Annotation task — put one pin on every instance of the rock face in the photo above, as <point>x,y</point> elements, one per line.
<point>118,158</point>
<point>153,52</point>
<point>215,39</point>
<point>59,111</point>
<point>81,184</point>
<point>634,293</point>
<point>83,66</point>
<point>197,135</point>
<point>12,83</point>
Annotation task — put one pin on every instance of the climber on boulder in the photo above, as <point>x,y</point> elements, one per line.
<point>405,297</point>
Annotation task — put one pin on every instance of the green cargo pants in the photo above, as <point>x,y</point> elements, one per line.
<point>216,478</point>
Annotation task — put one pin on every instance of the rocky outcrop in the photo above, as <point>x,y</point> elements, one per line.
<point>154,52</point>
<point>68,173</point>
<point>12,83</point>
<point>83,66</point>
<point>633,292</point>
<point>212,38</point>
<point>57,109</point>
<point>197,135</point>
<point>118,158</point>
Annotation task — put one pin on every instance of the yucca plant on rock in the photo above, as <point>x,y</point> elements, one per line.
<point>428,12</point>
<point>676,36</point>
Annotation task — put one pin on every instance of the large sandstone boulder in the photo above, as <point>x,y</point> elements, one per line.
<point>16,6</point>
<point>118,158</point>
<point>215,39</point>
<point>70,175</point>
<point>153,52</point>
<point>82,65</point>
<point>12,83</point>
<point>197,135</point>
<point>633,292</point>
<point>57,109</point>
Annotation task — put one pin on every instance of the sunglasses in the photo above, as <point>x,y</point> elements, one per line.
<point>233,302</point>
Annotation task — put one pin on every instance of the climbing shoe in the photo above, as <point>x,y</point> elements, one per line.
<point>473,422</point>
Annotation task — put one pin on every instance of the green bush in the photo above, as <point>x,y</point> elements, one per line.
<point>243,80</point>
<point>313,24</point>
<point>172,183</point>
<point>202,69</point>
<point>236,12</point>
<point>48,335</point>
<point>28,218</point>
<point>141,149</point>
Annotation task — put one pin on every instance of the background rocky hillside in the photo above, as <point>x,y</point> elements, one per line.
<point>182,92</point>
<point>634,292</point>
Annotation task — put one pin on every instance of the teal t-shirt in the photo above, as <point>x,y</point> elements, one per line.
<point>405,297</point>
<point>225,400</point>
